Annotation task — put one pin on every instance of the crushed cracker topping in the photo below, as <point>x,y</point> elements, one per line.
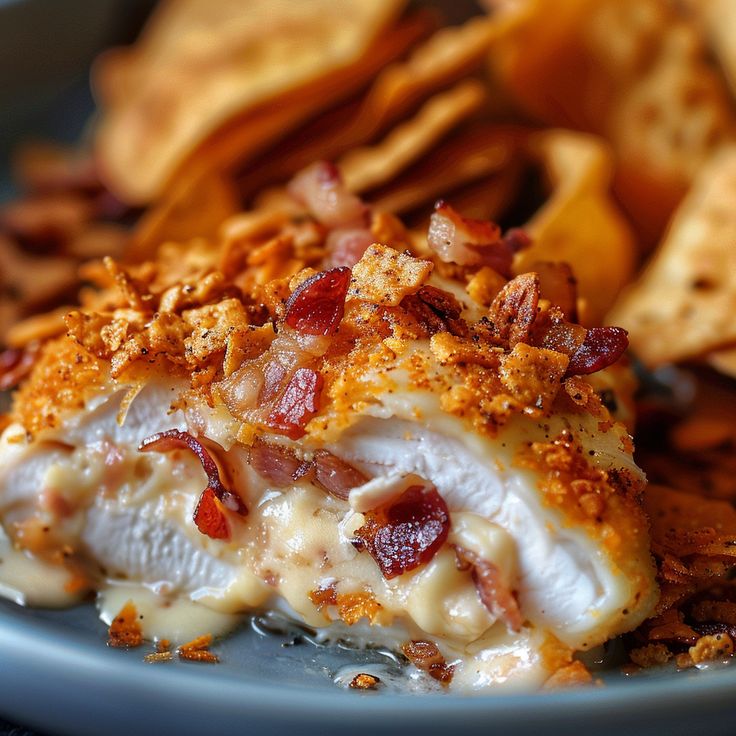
<point>125,629</point>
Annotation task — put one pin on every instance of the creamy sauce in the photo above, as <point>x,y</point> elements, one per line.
<point>32,582</point>
<point>162,617</point>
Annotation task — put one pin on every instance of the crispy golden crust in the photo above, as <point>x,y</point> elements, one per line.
<point>182,316</point>
<point>64,375</point>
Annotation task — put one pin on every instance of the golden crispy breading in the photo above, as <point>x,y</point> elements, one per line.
<point>385,276</point>
<point>533,375</point>
<point>710,648</point>
<point>64,375</point>
<point>450,349</point>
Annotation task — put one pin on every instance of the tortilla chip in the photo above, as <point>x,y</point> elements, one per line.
<point>683,305</point>
<point>580,222</point>
<point>438,61</point>
<point>665,126</point>
<point>244,137</point>
<point>364,169</point>
<point>718,21</point>
<point>481,152</point>
<point>635,72</point>
<point>198,64</point>
<point>724,361</point>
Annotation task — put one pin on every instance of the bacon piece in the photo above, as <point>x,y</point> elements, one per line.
<point>426,656</point>
<point>298,403</point>
<point>276,463</point>
<point>514,309</point>
<point>317,305</point>
<point>320,188</point>
<point>405,533</point>
<point>346,247</point>
<point>209,515</point>
<point>493,592</point>
<point>273,376</point>
<point>468,242</point>
<point>336,476</point>
<point>602,347</point>
<point>16,364</point>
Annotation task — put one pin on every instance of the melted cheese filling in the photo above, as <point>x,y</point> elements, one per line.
<point>132,512</point>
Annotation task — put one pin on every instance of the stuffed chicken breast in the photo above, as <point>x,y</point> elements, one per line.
<point>406,442</point>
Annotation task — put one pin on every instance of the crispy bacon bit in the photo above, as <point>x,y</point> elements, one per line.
<point>514,310</point>
<point>364,681</point>
<point>125,628</point>
<point>467,242</point>
<point>320,188</point>
<point>451,236</point>
<point>209,516</point>
<point>317,305</point>
<point>602,347</point>
<point>406,533</point>
<point>298,403</point>
<point>277,463</point>
<point>273,376</point>
<point>197,650</point>
<point>346,247</point>
<point>16,364</point>
<point>336,476</point>
<point>493,591</point>
<point>426,656</point>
